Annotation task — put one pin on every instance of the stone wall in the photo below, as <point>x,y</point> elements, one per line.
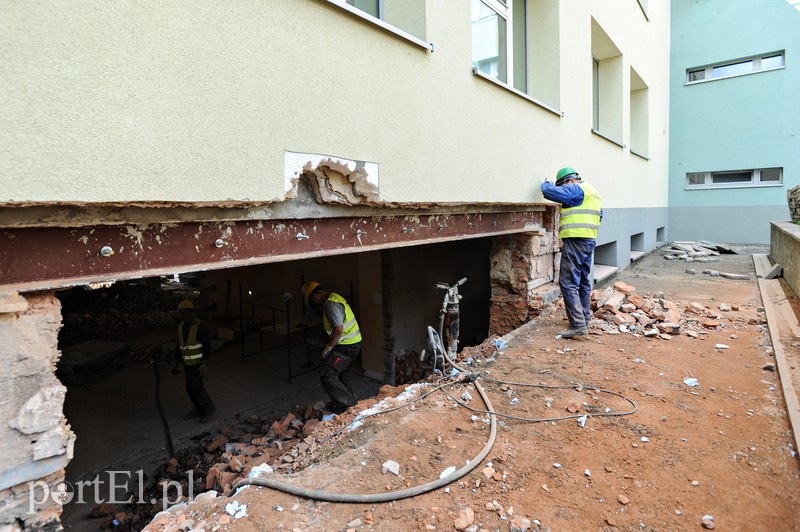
<point>34,436</point>
<point>793,197</point>
<point>784,249</point>
<point>524,267</point>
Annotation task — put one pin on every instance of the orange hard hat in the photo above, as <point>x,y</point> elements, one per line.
<point>185,304</point>
<point>309,288</point>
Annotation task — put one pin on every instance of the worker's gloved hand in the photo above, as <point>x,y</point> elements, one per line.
<point>175,370</point>
<point>202,370</point>
<point>325,352</point>
<point>545,181</point>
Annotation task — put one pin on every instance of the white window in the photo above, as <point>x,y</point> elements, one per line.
<point>739,67</point>
<point>639,115</point>
<point>607,92</point>
<point>516,43</point>
<point>643,6</point>
<point>760,177</point>
<point>405,18</point>
<point>492,39</point>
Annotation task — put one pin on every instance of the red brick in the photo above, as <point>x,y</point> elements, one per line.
<point>217,442</point>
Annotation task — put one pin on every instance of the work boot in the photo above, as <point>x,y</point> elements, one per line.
<point>338,408</point>
<point>205,418</point>
<point>572,332</point>
<point>191,414</point>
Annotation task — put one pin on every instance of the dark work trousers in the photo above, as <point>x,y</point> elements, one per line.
<point>576,265</point>
<point>334,377</point>
<point>197,391</point>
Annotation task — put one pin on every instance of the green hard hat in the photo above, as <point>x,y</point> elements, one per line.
<point>565,173</point>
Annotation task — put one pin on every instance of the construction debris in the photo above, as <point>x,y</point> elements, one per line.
<point>219,460</point>
<point>702,251</point>
<point>776,271</point>
<point>619,309</point>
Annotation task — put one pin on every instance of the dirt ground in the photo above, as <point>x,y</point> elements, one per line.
<point>722,450</point>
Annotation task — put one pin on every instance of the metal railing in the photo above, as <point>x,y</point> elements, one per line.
<point>260,318</point>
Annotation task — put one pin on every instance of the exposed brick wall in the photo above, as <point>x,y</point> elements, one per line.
<point>523,268</point>
<point>36,441</point>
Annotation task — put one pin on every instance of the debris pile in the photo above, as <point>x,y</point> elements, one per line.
<point>702,251</point>
<point>218,461</point>
<point>619,309</point>
<point>409,368</point>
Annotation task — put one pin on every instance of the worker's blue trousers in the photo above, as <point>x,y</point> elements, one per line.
<point>576,265</point>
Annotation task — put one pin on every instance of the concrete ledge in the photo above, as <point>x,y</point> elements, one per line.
<point>784,331</point>
<point>603,272</point>
<point>784,249</point>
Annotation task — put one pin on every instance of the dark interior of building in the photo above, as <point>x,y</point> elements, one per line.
<point>118,344</point>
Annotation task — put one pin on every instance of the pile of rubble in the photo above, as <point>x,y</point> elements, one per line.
<point>619,309</point>
<point>702,251</point>
<point>220,459</point>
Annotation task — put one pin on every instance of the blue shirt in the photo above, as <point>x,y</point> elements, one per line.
<point>569,195</point>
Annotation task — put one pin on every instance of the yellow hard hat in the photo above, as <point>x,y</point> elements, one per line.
<point>308,288</point>
<point>185,304</point>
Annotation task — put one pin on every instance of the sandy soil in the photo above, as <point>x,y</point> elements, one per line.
<point>722,449</point>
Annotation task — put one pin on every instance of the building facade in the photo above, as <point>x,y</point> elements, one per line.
<point>380,144</point>
<point>734,142</point>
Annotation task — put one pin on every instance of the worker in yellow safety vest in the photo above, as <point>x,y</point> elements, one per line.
<point>344,343</point>
<point>194,348</point>
<point>581,212</point>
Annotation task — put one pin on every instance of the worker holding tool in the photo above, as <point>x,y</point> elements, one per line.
<point>581,213</point>
<point>344,343</point>
<point>194,348</point>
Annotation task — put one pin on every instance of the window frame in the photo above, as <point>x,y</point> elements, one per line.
<point>755,179</point>
<point>342,4</point>
<point>503,9</point>
<point>516,14</point>
<point>643,6</point>
<point>757,67</point>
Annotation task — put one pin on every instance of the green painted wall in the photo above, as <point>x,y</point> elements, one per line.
<point>745,122</point>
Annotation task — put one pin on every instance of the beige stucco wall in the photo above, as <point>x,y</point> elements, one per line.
<point>176,101</point>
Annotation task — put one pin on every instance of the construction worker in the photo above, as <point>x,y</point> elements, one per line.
<point>581,213</point>
<point>344,343</point>
<point>194,348</point>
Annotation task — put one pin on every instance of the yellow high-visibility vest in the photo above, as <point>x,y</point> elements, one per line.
<point>191,349</point>
<point>582,221</point>
<point>351,334</point>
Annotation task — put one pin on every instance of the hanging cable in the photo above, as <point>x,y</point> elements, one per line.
<point>167,433</point>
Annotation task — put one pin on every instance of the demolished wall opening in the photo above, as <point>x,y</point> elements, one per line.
<point>114,339</point>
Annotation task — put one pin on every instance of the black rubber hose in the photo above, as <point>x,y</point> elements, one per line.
<point>383,496</point>
<point>167,433</point>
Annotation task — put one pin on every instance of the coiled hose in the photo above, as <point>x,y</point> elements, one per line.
<point>328,496</point>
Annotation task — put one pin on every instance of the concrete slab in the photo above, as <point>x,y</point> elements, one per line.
<point>784,332</point>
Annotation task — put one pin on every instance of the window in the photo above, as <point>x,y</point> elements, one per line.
<point>606,86</point>
<point>516,43</point>
<point>405,18</point>
<point>491,53</point>
<point>739,67</point>
<point>640,116</point>
<point>760,177</point>
<point>643,7</point>
<point>498,41</point>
